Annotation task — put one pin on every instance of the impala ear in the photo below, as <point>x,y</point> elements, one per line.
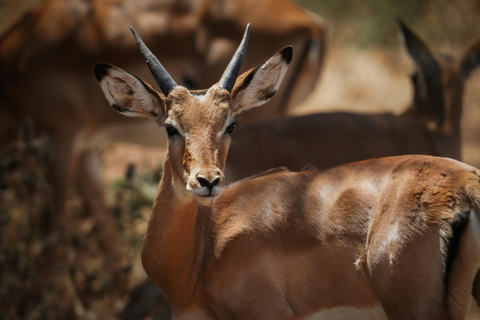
<point>418,51</point>
<point>258,85</point>
<point>128,94</point>
<point>427,80</point>
<point>471,60</point>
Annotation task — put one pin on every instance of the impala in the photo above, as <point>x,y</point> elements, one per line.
<point>431,125</point>
<point>395,238</point>
<point>45,73</point>
<point>326,140</point>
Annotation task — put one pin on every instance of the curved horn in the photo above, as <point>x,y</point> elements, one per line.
<point>164,80</point>
<point>230,74</point>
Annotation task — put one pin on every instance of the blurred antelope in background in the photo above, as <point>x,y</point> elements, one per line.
<point>430,125</point>
<point>47,56</point>
<point>395,238</point>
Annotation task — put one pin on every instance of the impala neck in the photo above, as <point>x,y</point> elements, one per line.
<point>456,108</point>
<point>449,136</point>
<point>175,239</point>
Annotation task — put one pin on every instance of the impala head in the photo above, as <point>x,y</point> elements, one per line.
<point>198,123</point>
<point>438,83</point>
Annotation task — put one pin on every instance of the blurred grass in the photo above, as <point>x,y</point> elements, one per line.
<point>63,273</point>
<point>131,198</point>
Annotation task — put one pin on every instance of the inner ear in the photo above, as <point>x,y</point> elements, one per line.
<point>128,94</point>
<point>258,85</point>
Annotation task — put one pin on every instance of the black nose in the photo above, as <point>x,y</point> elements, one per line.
<point>209,184</point>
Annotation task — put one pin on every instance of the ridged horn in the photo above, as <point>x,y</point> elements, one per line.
<point>231,72</point>
<point>164,80</point>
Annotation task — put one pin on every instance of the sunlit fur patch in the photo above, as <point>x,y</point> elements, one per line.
<point>350,313</point>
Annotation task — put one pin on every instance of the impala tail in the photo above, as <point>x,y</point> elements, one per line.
<point>462,256</point>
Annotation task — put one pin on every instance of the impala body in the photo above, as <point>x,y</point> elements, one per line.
<point>350,242</point>
<point>395,238</point>
<point>431,125</point>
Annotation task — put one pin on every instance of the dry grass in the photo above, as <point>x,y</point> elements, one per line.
<point>59,270</point>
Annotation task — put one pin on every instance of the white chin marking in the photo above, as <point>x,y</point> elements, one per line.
<point>206,201</point>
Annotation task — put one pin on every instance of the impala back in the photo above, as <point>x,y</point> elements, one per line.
<point>431,125</point>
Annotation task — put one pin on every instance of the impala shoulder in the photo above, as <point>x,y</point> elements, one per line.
<point>259,205</point>
<point>263,182</point>
<point>249,191</point>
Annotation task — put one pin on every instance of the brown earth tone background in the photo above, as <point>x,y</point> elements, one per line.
<point>366,70</point>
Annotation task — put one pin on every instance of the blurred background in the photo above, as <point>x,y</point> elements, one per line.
<point>45,275</point>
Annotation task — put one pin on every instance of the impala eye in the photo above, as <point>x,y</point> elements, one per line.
<point>230,128</point>
<point>414,78</point>
<point>171,131</point>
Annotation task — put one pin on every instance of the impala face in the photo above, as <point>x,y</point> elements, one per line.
<point>198,123</point>
<point>199,127</point>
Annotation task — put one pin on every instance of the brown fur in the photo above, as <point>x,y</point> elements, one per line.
<point>290,237</point>
<point>377,236</point>
<point>352,208</point>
